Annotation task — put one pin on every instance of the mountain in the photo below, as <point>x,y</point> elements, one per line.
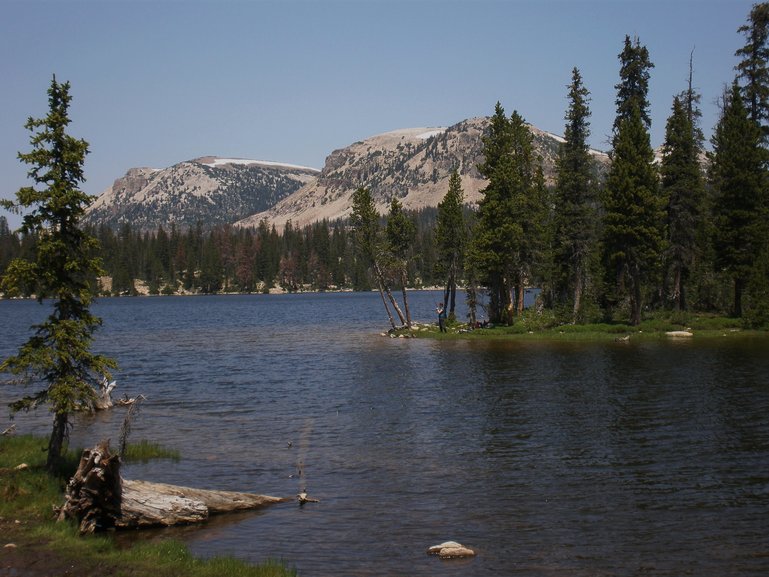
<point>412,164</point>
<point>209,190</point>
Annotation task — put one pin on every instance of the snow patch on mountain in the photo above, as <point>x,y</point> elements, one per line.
<point>224,161</point>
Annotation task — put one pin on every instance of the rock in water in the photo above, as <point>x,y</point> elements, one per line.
<point>456,553</point>
<point>450,550</point>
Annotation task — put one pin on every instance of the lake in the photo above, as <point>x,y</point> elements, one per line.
<point>547,458</point>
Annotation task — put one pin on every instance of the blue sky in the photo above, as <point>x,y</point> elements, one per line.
<point>158,82</point>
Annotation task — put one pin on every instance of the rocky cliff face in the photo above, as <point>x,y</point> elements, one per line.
<point>208,190</point>
<point>412,164</point>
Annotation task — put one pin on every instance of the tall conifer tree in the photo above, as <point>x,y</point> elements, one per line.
<point>683,186</point>
<point>63,269</point>
<point>753,68</point>
<point>633,87</point>
<point>739,180</point>
<point>575,236</point>
<point>451,239</point>
<point>507,243</point>
<point>633,220</point>
<point>493,237</point>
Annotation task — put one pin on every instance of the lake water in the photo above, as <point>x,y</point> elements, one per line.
<point>549,459</point>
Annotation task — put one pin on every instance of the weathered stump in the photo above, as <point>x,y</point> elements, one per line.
<point>93,495</point>
<point>98,498</point>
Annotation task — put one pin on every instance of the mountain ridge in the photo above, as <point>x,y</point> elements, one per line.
<point>412,164</point>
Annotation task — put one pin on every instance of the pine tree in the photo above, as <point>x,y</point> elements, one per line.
<point>753,69</point>
<point>451,240</point>
<point>683,186</point>
<point>508,236</point>
<point>63,269</point>
<point>575,235</point>
<point>633,208</point>
<point>739,180</point>
<point>399,234</point>
<point>370,245</point>
<point>633,88</point>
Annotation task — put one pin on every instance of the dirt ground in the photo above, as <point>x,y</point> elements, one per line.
<point>22,557</point>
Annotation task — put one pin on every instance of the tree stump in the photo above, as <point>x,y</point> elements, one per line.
<point>93,495</point>
<point>98,498</point>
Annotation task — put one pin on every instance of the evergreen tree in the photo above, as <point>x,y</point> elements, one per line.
<point>495,235</point>
<point>9,245</point>
<point>451,240</point>
<point>399,234</point>
<point>370,246</point>
<point>683,186</point>
<point>633,88</point>
<point>739,180</point>
<point>575,235</point>
<point>633,208</point>
<point>63,269</point>
<point>753,68</point>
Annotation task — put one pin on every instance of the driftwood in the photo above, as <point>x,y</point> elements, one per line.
<point>103,400</point>
<point>97,498</point>
<point>147,504</point>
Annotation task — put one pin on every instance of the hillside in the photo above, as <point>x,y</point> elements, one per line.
<point>208,190</point>
<point>411,164</point>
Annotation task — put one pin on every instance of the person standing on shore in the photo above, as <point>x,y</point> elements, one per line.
<point>441,310</point>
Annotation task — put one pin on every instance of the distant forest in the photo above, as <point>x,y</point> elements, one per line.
<point>227,259</point>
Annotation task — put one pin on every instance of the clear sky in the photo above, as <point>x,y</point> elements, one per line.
<point>158,82</point>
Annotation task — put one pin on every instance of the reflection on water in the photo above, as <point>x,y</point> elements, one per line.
<point>547,458</point>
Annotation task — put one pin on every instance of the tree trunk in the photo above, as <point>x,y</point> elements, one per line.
<point>97,498</point>
<point>56,441</point>
<point>519,298</point>
<point>452,296</point>
<point>146,504</point>
<point>577,297</point>
<point>635,297</point>
<point>384,302</point>
<point>472,303</point>
<point>677,288</point>
<point>383,286</point>
<point>738,288</point>
<point>394,303</point>
<point>405,298</point>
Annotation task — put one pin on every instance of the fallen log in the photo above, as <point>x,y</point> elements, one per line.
<point>98,498</point>
<point>150,504</point>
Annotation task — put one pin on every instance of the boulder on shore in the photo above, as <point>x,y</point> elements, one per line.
<point>679,334</point>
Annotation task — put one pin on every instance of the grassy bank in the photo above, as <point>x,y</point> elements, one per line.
<point>41,546</point>
<point>543,326</point>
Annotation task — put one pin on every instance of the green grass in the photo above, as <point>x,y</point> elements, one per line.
<point>29,495</point>
<point>533,326</point>
<point>145,451</point>
<point>160,559</point>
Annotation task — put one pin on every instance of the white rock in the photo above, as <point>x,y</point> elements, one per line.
<point>456,552</point>
<point>436,549</point>
<point>679,334</point>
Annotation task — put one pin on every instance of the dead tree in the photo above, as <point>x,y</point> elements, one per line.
<point>98,498</point>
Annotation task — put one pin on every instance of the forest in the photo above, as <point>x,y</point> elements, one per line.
<point>682,229</point>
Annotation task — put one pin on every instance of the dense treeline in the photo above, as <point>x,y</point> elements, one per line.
<point>320,256</point>
<point>684,230</point>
